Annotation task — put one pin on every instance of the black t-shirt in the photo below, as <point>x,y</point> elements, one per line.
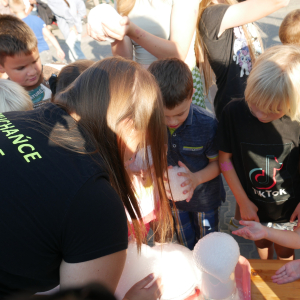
<point>55,204</point>
<point>265,157</point>
<point>228,55</point>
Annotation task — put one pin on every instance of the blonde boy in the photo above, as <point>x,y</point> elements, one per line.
<point>289,31</point>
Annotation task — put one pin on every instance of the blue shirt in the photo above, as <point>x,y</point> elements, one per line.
<point>193,143</point>
<point>37,25</point>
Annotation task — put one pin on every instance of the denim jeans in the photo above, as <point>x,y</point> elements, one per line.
<point>74,43</point>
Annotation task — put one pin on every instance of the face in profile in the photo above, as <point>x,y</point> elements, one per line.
<point>265,117</point>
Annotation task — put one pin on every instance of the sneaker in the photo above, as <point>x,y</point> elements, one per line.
<point>234,224</point>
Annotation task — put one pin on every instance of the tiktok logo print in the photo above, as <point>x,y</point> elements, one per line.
<point>265,166</point>
<point>268,175</point>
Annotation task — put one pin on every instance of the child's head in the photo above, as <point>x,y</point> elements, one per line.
<point>273,86</point>
<point>289,31</point>
<point>176,84</point>
<point>13,97</point>
<point>19,55</point>
<point>16,6</point>
<point>68,74</point>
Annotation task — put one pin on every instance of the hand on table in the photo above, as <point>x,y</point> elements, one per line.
<point>138,291</point>
<point>252,231</point>
<point>288,273</point>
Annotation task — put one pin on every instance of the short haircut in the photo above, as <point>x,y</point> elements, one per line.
<point>174,79</point>
<point>16,6</point>
<point>16,37</point>
<point>289,31</point>
<point>274,81</point>
<point>13,97</point>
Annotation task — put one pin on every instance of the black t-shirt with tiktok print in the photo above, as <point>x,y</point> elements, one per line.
<point>265,157</point>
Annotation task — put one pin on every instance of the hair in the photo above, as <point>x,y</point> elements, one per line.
<point>113,92</point>
<point>289,30</point>
<point>202,52</point>
<point>13,97</point>
<point>124,7</point>
<point>174,79</point>
<point>17,6</point>
<point>274,82</point>
<point>16,37</point>
<point>67,75</point>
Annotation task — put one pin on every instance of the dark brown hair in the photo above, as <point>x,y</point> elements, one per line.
<point>15,37</point>
<point>113,92</point>
<point>68,74</point>
<point>174,79</point>
<point>289,30</point>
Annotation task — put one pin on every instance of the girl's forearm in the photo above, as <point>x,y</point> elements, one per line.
<point>123,48</point>
<point>286,238</point>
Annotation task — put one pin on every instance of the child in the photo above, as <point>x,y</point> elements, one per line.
<point>259,144</point>
<point>13,97</point>
<point>40,30</point>
<point>191,132</point>
<point>289,30</point>
<point>255,231</point>
<point>19,58</point>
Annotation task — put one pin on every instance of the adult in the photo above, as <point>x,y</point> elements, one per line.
<point>154,30</point>
<point>65,185</point>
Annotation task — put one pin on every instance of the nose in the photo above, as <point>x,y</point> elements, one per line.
<point>31,71</point>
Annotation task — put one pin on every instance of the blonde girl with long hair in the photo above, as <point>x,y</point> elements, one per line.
<point>69,161</point>
<point>156,29</point>
<point>227,43</point>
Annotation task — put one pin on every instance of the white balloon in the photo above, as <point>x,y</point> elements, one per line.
<point>100,13</point>
<point>175,182</point>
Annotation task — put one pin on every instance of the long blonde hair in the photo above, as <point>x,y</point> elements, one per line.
<point>124,7</point>
<point>202,52</point>
<point>109,93</point>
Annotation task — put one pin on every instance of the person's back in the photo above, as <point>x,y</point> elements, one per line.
<point>191,131</point>
<point>38,191</point>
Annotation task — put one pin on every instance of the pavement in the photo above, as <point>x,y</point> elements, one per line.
<point>269,31</point>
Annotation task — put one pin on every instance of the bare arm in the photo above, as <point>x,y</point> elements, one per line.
<point>106,270</point>
<point>248,209</point>
<point>123,48</point>
<point>249,11</point>
<point>183,24</point>
<point>47,33</point>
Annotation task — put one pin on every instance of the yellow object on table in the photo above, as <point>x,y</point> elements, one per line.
<point>262,286</point>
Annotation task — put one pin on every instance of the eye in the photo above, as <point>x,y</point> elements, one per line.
<point>20,68</point>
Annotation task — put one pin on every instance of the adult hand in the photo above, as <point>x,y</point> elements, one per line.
<point>296,214</point>
<point>139,290</point>
<point>288,273</point>
<point>252,231</point>
<point>61,54</point>
<point>96,36</point>
<point>117,30</point>
<point>249,211</point>
<point>192,181</point>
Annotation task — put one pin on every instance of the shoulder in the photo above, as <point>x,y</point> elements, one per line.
<point>215,10</point>
<point>201,115</point>
<point>235,105</point>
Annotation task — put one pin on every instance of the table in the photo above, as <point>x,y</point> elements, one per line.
<point>262,286</point>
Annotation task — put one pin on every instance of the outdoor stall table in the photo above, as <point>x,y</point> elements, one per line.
<point>262,286</point>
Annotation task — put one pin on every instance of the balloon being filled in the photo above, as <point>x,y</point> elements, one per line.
<point>172,262</point>
<point>101,13</point>
<point>175,182</point>
<point>216,255</point>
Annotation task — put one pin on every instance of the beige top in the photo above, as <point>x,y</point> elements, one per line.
<point>154,16</point>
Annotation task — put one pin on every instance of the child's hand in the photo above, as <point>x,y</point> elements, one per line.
<point>288,273</point>
<point>252,231</point>
<point>296,214</point>
<point>191,183</point>
<point>249,212</point>
<point>138,291</point>
<point>117,31</point>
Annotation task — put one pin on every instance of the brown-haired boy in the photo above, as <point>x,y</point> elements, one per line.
<point>289,31</point>
<point>191,132</point>
<point>20,60</point>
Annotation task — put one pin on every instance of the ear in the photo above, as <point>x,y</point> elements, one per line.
<point>2,70</point>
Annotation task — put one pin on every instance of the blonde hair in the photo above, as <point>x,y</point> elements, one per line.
<point>13,97</point>
<point>16,6</point>
<point>274,82</point>
<point>124,7</point>
<point>110,93</point>
<point>202,52</point>
<point>289,30</point>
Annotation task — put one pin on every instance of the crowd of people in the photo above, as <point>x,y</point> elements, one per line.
<point>85,147</point>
